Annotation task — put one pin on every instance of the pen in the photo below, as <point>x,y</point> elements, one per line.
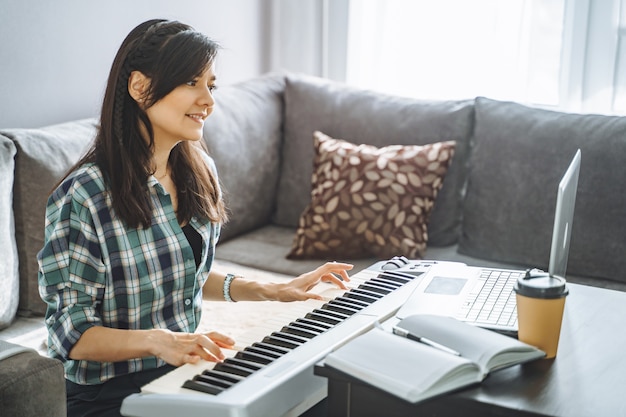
<point>405,333</point>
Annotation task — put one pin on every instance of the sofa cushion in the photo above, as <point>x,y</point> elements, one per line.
<point>519,155</point>
<point>43,156</point>
<point>266,249</point>
<point>9,275</point>
<point>30,385</point>
<point>375,119</point>
<point>244,136</point>
<point>369,200</point>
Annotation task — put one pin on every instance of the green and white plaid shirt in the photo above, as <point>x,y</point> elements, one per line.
<point>95,271</point>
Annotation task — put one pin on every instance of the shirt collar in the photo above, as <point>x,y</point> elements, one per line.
<point>154,183</point>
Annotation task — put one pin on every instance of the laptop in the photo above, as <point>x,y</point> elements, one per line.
<point>485,296</point>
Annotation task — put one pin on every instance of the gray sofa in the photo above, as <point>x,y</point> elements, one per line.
<point>495,206</point>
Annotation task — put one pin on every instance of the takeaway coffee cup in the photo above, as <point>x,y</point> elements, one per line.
<point>540,305</point>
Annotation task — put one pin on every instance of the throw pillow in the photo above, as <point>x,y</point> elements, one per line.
<point>9,273</point>
<point>370,201</point>
<point>377,119</point>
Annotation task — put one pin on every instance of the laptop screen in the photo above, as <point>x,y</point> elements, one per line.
<point>564,216</point>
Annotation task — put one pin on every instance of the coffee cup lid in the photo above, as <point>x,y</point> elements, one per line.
<point>538,284</point>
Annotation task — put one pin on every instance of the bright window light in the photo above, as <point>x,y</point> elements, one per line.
<point>454,49</point>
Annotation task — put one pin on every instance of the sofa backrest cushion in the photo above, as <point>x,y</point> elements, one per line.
<point>517,160</point>
<point>9,275</point>
<point>244,136</point>
<point>375,119</point>
<point>43,156</point>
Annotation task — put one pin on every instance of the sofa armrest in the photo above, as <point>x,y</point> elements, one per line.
<point>31,385</point>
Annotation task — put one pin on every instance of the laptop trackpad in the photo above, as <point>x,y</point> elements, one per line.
<point>445,285</point>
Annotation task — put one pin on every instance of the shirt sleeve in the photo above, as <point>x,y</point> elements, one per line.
<point>71,271</point>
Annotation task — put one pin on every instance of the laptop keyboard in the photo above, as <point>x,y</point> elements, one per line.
<point>492,300</point>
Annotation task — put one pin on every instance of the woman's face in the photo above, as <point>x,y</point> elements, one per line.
<point>180,115</point>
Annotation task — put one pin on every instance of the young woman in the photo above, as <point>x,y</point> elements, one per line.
<point>131,230</point>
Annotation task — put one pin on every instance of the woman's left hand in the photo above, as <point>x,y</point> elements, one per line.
<point>298,288</point>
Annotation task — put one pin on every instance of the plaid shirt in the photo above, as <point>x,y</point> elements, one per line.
<point>95,271</point>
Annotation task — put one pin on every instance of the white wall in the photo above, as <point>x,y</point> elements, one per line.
<point>55,56</point>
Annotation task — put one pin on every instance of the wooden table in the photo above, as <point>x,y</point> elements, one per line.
<point>587,378</point>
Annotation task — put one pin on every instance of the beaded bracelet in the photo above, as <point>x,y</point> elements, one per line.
<point>227,281</point>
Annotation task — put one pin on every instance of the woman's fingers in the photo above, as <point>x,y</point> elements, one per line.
<point>207,346</point>
<point>338,267</point>
<point>332,278</point>
<point>298,289</point>
<point>334,269</point>
<point>221,339</point>
<point>180,348</point>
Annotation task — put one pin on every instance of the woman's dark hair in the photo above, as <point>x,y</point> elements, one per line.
<point>170,54</point>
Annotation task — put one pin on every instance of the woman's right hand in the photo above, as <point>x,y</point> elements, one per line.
<point>180,348</point>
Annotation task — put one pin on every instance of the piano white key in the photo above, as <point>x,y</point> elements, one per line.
<point>167,382</point>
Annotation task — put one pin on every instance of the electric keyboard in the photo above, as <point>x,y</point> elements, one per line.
<point>271,373</point>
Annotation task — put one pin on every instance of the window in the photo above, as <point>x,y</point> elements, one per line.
<point>449,49</point>
<point>565,54</point>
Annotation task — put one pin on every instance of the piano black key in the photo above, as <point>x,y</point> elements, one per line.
<point>336,314</point>
<point>211,380</point>
<point>310,325</point>
<point>360,295</point>
<point>330,306</point>
<point>374,288</point>
<point>280,341</point>
<point>338,305</point>
<point>347,303</point>
<point>203,387</point>
<point>253,366</point>
<point>396,276</point>
<point>368,293</point>
<point>223,375</point>
<point>272,347</point>
<point>250,355</point>
<point>352,301</point>
<point>313,323</point>
<point>392,285</point>
<point>325,316</point>
<point>263,351</point>
<point>232,368</point>
<point>299,331</point>
<point>291,336</point>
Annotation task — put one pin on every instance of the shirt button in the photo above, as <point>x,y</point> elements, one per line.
<point>187,302</point>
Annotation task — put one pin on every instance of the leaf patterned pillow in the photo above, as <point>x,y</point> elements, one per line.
<point>368,201</point>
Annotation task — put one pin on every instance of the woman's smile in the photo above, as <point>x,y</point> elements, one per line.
<point>197,117</point>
